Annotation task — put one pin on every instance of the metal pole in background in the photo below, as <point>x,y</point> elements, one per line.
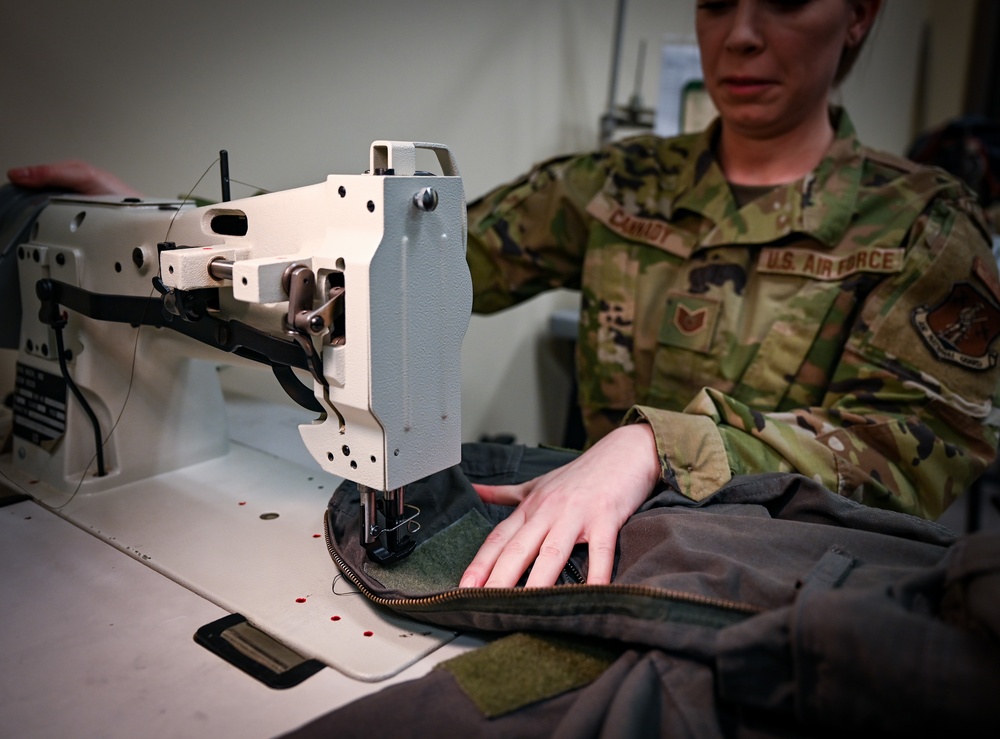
<point>608,120</point>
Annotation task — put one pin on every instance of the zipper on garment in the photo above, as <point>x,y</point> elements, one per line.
<point>573,573</point>
<point>473,594</point>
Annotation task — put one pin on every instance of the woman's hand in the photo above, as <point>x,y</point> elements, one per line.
<point>587,500</point>
<point>74,175</point>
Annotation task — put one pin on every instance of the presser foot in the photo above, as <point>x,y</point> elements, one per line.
<point>387,542</point>
<point>377,552</point>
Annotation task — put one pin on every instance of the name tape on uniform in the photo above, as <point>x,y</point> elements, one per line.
<point>653,231</point>
<point>808,263</point>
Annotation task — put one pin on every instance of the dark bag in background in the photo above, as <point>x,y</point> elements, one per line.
<point>967,147</point>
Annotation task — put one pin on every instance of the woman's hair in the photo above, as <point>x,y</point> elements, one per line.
<point>850,55</point>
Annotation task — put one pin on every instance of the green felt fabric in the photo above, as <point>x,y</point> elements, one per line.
<point>520,669</point>
<point>438,563</point>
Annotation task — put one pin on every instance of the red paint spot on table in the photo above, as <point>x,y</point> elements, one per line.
<point>300,600</point>
<point>243,502</point>
<point>369,633</point>
<point>334,618</point>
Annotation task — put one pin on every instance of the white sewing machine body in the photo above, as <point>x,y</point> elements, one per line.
<point>391,397</point>
<point>380,260</point>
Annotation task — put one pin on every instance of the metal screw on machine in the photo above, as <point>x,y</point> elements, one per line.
<point>426,199</point>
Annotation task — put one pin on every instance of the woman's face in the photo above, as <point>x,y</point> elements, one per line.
<point>769,65</point>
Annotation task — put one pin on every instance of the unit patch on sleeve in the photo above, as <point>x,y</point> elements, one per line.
<point>961,328</point>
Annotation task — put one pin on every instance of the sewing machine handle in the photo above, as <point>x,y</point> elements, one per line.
<point>399,157</point>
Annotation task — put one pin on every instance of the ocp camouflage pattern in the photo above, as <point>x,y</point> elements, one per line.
<point>783,335</point>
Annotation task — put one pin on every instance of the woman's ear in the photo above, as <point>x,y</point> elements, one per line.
<point>863,15</point>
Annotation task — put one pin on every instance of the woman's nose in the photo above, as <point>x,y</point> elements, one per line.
<point>744,34</point>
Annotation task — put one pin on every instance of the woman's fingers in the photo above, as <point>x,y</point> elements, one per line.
<point>502,494</point>
<point>73,174</point>
<point>482,565</point>
<point>586,500</point>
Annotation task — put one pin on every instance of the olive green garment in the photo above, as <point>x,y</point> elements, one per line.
<point>843,326</point>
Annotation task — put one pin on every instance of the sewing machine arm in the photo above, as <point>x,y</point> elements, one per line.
<point>360,280</point>
<point>198,323</point>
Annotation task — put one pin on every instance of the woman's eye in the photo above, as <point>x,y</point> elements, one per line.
<point>788,4</point>
<point>715,6</point>
<point>720,5</point>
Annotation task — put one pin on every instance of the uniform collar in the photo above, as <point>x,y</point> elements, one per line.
<point>819,205</point>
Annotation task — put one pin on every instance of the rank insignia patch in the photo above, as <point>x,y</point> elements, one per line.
<point>961,328</point>
<point>689,321</point>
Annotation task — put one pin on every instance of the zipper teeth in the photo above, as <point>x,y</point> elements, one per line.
<point>475,593</point>
<point>574,573</point>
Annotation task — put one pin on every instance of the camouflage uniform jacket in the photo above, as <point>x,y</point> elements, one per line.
<point>841,326</point>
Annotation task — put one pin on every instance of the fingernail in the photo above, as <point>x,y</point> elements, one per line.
<point>20,173</point>
<point>468,581</point>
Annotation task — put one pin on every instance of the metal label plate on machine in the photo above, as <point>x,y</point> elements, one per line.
<point>39,406</point>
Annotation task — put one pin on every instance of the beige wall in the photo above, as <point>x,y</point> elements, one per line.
<point>950,29</point>
<point>296,90</point>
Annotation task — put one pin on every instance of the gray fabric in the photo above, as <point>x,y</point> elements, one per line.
<point>858,620</point>
<point>881,657</point>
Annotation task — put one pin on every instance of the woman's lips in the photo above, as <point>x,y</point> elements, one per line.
<point>746,85</point>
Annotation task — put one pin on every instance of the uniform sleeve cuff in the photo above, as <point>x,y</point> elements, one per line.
<point>692,455</point>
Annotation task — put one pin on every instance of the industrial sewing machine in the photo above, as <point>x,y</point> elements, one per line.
<point>358,283</point>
